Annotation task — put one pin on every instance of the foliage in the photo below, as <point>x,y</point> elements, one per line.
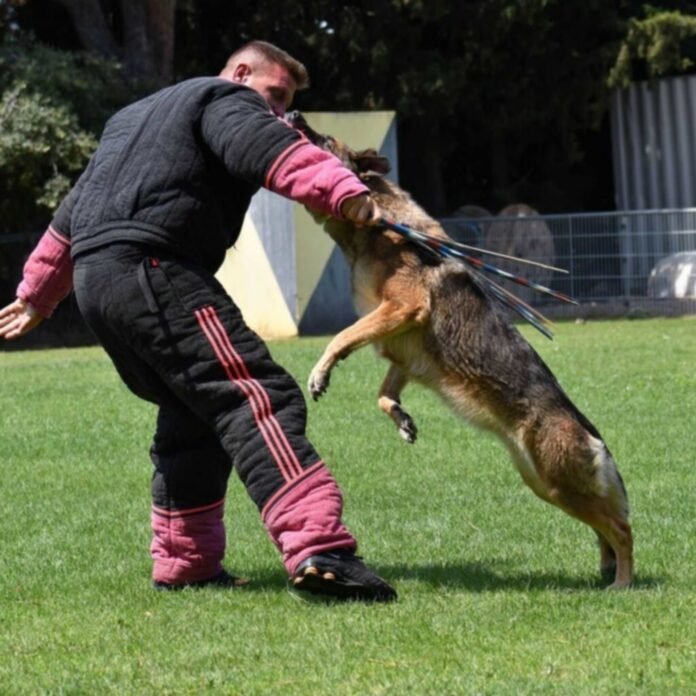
<point>41,149</point>
<point>498,101</point>
<point>662,44</point>
<point>493,97</point>
<point>498,591</point>
<point>87,85</point>
<point>54,103</point>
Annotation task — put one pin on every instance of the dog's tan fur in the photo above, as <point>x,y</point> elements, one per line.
<point>436,326</point>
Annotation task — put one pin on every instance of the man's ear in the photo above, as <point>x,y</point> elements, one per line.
<point>370,160</point>
<point>241,73</point>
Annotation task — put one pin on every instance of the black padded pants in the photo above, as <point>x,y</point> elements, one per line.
<point>178,340</point>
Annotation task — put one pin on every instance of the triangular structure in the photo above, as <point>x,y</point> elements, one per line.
<point>284,273</point>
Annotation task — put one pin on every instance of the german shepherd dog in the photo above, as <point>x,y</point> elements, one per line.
<point>435,324</point>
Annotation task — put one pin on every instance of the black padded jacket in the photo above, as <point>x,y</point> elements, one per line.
<point>177,170</point>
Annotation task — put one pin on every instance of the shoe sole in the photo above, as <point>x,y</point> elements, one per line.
<point>328,585</point>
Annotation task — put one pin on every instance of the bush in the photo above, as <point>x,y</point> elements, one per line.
<point>661,45</point>
<point>42,149</point>
<point>53,105</point>
<point>89,86</point>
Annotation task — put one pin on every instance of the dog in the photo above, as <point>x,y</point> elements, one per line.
<point>437,326</point>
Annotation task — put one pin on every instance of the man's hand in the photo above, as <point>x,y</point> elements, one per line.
<point>17,319</point>
<point>361,210</point>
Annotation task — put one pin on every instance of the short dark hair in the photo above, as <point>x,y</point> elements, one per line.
<point>273,54</point>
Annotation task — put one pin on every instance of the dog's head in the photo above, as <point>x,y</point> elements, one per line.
<point>361,162</point>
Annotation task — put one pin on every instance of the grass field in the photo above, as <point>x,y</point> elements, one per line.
<point>499,593</point>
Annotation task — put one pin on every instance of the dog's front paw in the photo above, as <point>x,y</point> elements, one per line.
<point>406,425</point>
<point>318,383</point>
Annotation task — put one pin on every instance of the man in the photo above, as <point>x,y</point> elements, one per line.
<point>139,237</point>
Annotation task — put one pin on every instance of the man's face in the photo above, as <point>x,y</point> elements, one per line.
<point>274,83</point>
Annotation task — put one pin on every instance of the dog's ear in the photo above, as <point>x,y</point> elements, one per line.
<point>371,161</point>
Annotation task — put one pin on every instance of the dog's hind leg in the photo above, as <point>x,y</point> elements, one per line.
<point>589,487</point>
<point>389,318</point>
<point>389,401</point>
<point>614,532</point>
<point>578,474</point>
<point>607,513</point>
<point>607,559</point>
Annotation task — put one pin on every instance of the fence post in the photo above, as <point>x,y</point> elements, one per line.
<point>572,256</point>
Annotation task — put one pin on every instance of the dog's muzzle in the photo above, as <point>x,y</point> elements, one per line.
<point>298,122</point>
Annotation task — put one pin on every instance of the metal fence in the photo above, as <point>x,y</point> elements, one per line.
<point>609,256</point>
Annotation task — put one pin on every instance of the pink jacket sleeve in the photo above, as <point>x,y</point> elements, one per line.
<point>314,177</point>
<point>47,273</point>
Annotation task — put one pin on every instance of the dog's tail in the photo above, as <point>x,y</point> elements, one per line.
<point>607,464</point>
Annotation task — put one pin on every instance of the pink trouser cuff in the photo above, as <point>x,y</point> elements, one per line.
<point>304,517</point>
<point>187,545</point>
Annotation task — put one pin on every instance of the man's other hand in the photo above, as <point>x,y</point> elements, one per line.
<point>17,319</point>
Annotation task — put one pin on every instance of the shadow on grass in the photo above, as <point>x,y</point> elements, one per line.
<point>476,577</point>
<point>468,577</point>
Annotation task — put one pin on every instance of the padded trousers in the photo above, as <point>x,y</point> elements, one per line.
<point>178,340</point>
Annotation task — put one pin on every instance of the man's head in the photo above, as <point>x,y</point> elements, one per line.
<point>269,70</point>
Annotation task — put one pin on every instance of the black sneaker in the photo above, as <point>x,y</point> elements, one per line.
<point>223,580</point>
<point>343,575</point>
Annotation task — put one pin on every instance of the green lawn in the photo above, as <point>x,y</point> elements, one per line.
<point>499,593</point>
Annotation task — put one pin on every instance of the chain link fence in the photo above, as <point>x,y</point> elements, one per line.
<point>618,263</point>
<point>627,263</point>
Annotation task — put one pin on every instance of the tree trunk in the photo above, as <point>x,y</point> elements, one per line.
<point>92,27</point>
<point>161,20</point>
<point>147,45</point>
<point>137,54</point>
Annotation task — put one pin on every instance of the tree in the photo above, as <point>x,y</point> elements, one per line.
<point>493,97</point>
<point>41,149</point>
<point>659,45</point>
<point>52,104</point>
<point>498,101</point>
<point>137,33</point>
